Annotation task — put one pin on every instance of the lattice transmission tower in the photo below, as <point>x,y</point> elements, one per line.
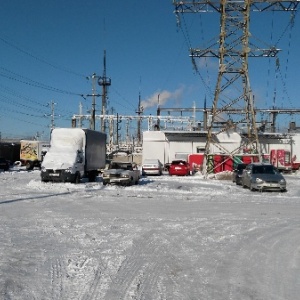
<point>233,90</point>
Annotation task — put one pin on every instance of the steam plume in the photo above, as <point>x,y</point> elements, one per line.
<point>160,98</point>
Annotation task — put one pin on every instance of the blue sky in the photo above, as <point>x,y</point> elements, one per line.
<point>49,48</point>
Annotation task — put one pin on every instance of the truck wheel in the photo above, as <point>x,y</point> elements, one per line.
<point>77,178</point>
<point>92,176</point>
<point>29,165</point>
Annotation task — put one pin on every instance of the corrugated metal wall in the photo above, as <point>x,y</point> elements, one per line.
<point>10,151</point>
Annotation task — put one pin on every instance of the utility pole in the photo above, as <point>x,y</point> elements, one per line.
<point>158,114</point>
<point>52,120</point>
<point>127,131</point>
<point>94,77</point>
<point>111,133</point>
<point>117,137</point>
<point>80,113</point>
<point>93,112</point>
<point>105,82</point>
<point>52,115</point>
<point>139,120</point>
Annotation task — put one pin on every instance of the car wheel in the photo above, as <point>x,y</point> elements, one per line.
<point>251,188</point>
<point>131,182</point>
<point>77,178</point>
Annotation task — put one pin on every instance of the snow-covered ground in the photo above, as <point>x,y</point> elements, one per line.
<point>166,238</point>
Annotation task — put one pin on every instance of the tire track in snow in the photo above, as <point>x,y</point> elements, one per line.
<point>157,265</point>
<point>91,292</point>
<point>56,279</point>
<point>139,272</point>
<point>96,289</point>
<point>154,268</point>
<point>89,277</point>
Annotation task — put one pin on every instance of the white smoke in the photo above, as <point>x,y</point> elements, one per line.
<point>161,98</point>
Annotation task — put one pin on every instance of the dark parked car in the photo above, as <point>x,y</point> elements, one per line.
<point>180,168</point>
<point>238,173</point>
<point>261,176</point>
<point>4,164</point>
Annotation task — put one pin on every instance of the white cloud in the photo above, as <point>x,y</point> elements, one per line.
<point>161,98</point>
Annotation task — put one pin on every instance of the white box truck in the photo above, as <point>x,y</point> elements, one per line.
<point>32,153</point>
<point>74,153</point>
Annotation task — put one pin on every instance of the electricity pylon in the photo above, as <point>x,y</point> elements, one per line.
<point>233,88</point>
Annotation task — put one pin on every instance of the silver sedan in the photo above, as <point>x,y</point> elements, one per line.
<point>261,176</point>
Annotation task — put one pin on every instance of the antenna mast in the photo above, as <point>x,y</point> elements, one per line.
<point>105,82</point>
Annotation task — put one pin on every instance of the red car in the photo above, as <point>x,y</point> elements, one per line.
<point>180,168</point>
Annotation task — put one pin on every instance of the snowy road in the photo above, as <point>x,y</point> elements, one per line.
<point>166,238</point>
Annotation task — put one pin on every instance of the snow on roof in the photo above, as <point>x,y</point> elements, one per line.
<point>229,137</point>
<point>72,138</point>
<point>65,142</point>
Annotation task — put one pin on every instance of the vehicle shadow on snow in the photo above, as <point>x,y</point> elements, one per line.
<point>142,181</point>
<point>145,180</point>
<point>31,198</point>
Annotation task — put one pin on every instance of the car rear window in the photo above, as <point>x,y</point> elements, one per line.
<point>178,162</point>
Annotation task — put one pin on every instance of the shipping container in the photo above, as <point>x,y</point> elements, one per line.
<point>228,163</point>
<point>196,161</point>
<point>218,163</point>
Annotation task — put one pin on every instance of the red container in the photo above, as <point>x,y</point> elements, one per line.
<point>196,161</point>
<point>247,159</point>
<point>218,163</point>
<point>227,163</point>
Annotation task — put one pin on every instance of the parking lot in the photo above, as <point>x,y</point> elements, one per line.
<point>168,237</point>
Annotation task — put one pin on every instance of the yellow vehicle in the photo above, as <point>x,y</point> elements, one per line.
<point>32,153</point>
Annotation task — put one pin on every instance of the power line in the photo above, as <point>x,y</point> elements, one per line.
<point>41,59</point>
<point>14,76</point>
<point>16,94</point>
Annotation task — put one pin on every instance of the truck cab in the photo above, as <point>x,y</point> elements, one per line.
<point>74,153</point>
